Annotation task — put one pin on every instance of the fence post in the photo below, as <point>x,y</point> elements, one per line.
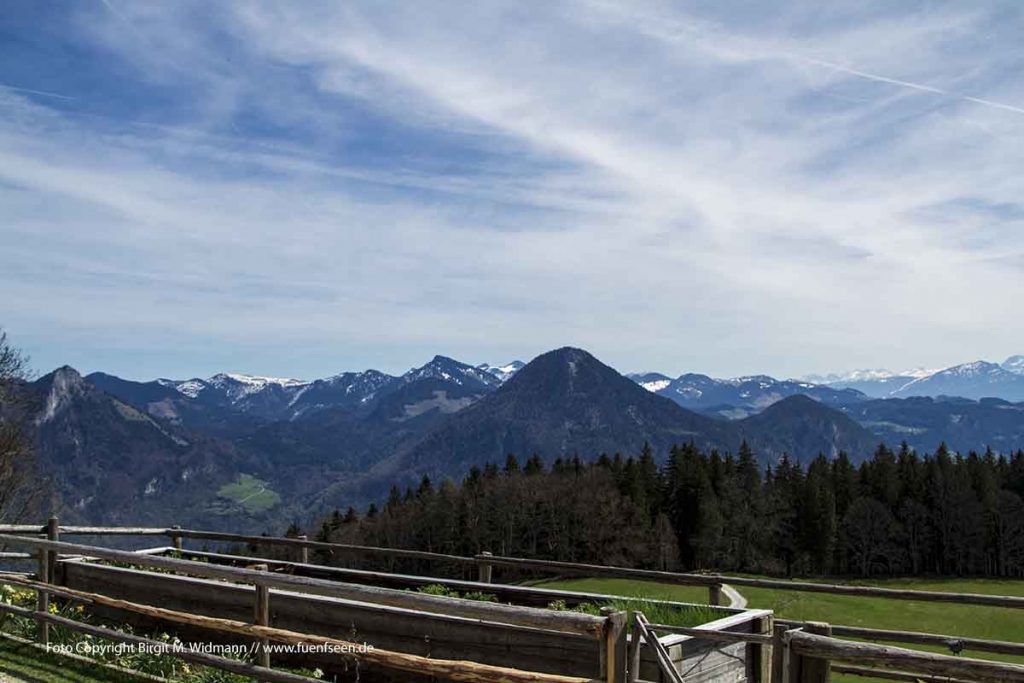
<point>780,654</point>
<point>262,617</point>
<point>635,643</point>
<point>814,669</point>
<point>304,550</point>
<point>484,573</point>
<point>613,647</point>
<point>53,534</point>
<point>176,538</point>
<point>715,594</point>
<point>43,596</point>
<point>759,655</point>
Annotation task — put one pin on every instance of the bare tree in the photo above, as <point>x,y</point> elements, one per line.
<point>21,491</point>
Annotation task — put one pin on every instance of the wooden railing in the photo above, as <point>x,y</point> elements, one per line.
<point>607,630</point>
<point>809,655</point>
<point>806,648</point>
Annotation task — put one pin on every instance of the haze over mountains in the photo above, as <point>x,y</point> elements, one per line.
<point>258,450</point>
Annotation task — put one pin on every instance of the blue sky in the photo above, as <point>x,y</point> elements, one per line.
<point>297,189</point>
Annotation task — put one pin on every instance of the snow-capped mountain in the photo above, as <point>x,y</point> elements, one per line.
<point>976,380</point>
<point>738,396</point>
<point>1014,364</point>
<point>450,370</point>
<point>502,372</point>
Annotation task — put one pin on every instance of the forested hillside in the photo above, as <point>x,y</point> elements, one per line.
<point>897,513</point>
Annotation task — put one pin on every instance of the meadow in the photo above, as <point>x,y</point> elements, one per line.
<point>990,623</point>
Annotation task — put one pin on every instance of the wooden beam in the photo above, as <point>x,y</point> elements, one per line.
<point>320,545</point>
<point>942,640</point>
<point>668,669</point>
<point>884,656</point>
<point>717,636</point>
<point>454,670</point>
<point>534,617</point>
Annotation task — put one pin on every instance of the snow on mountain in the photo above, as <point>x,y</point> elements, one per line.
<point>451,370</point>
<point>975,380</point>
<point>1014,364</point>
<point>502,372</point>
<point>651,381</point>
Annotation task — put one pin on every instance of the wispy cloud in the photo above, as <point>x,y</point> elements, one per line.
<point>673,189</point>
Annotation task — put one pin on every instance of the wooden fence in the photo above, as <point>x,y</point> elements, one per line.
<point>798,652</point>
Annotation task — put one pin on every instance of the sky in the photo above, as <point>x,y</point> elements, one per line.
<point>301,188</point>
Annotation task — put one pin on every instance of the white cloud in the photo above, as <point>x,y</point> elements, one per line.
<point>672,190</point>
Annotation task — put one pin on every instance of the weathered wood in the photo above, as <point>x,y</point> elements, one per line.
<point>484,569</point>
<point>16,556</point>
<point>815,669</point>
<point>43,597</point>
<point>715,594</point>
<point>668,669</point>
<point>303,549</point>
<point>391,628</point>
<point>893,675</point>
<point>615,645</point>
<point>214,661</point>
<point>52,534</point>
<point>759,655</point>
<point>520,595</point>
<point>636,640</point>
<point>572,622</point>
<point>780,655</point>
<point>708,634</point>
<point>261,617</point>
<point>175,537</point>
<point>471,672</point>
<point>577,569</point>
<point>942,640</point>
<point>320,545</point>
<point>884,656</point>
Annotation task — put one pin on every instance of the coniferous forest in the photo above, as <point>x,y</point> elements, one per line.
<point>897,513</point>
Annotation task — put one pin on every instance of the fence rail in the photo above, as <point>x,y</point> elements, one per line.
<point>798,651</point>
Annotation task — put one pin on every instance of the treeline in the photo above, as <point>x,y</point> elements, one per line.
<point>897,513</point>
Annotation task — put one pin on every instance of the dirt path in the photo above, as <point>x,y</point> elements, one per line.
<point>736,598</point>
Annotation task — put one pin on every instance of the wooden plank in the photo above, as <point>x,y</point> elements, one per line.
<point>885,635</point>
<point>320,545</point>
<point>520,595</point>
<point>391,628</point>
<point>572,622</point>
<point>636,640</point>
<point>716,636</point>
<point>668,669</point>
<point>884,656</point>
<point>471,672</point>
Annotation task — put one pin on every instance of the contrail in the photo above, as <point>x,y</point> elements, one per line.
<point>43,93</point>
<point>908,84</point>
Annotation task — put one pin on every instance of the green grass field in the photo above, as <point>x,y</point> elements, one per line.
<point>991,623</point>
<point>251,494</point>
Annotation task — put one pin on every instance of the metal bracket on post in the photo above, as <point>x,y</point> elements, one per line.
<point>485,568</point>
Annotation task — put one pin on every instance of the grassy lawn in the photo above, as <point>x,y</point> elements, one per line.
<point>21,662</point>
<point>251,494</point>
<point>991,623</point>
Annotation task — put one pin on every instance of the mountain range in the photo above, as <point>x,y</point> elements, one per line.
<point>243,450</point>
